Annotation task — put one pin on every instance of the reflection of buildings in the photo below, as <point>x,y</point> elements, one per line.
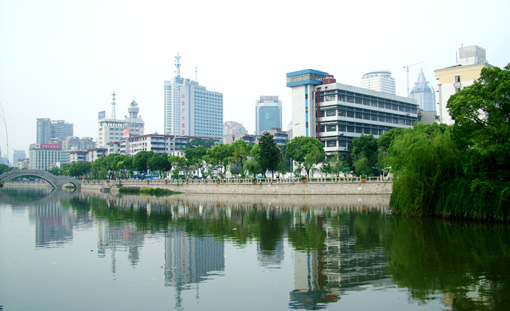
<point>271,258</point>
<point>191,259</point>
<point>119,237</point>
<point>320,275</point>
<point>54,223</point>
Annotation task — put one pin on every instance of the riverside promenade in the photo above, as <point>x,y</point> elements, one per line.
<point>260,186</point>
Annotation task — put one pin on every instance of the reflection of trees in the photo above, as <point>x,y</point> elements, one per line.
<point>462,260</point>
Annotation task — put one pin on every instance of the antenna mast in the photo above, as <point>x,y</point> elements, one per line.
<point>196,74</point>
<point>177,66</point>
<point>113,106</point>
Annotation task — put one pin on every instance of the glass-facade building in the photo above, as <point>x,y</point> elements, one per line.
<point>424,94</point>
<point>268,114</point>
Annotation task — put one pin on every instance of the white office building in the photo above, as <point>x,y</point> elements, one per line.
<point>190,109</point>
<point>114,129</point>
<point>47,156</point>
<point>335,113</point>
<point>380,81</point>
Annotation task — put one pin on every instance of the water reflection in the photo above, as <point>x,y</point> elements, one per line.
<point>334,250</point>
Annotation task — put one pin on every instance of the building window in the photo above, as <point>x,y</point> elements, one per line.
<point>330,128</point>
<point>331,143</point>
<point>330,113</point>
<point>457,79</point>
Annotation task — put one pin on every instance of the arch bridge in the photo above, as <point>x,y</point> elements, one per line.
<point>56,181</point>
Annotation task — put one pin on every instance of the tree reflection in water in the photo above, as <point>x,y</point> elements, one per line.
<point>337,250</point>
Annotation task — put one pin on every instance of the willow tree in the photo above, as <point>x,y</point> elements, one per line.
<point>422,158</point>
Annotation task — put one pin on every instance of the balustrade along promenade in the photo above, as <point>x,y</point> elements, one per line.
<point>259,186</point>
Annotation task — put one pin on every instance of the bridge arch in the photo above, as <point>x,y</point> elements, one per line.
<point>56,182</point>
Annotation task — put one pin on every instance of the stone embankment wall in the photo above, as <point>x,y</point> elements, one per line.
<point>351,187</point>
<point>27,184</point>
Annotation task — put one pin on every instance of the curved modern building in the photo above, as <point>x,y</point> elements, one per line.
<point>380,81</point>
<point>424,93</point>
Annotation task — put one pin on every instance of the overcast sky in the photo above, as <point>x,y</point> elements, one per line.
<point>63,59</point>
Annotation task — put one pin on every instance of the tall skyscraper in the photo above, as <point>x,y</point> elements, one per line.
<point>424,93</point>
<point>380,81</point>
<point>453,79</point>
<point>48,130</point>
<point>190,109</point>
<point>268,114</point>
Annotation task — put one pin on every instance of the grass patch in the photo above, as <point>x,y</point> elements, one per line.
<point>147,191</point>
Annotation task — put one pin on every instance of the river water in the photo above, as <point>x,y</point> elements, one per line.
<point>87,251</point>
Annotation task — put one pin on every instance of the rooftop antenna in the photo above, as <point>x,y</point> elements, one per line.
<point>177,66</point>
<point>196,77</point>
<point>113,105</point>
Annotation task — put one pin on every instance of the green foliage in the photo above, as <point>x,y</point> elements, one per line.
<point>200,142</point>
<point>306,151</point>
<point>421,159</point>
<point>252,166</point>
<point>269,154</point>
<point>364,148</point>
<point>220,156</point>
<point>4,168</point>
<point>79,169</point>
<point>362,166</point>
<point>141,160</point>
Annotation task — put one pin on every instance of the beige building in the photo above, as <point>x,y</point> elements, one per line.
<point>453,79</point>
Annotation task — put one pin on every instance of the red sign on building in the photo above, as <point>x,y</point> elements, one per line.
<point>51,146</point>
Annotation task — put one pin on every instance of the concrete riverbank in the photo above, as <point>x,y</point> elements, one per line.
<point>262,187</point>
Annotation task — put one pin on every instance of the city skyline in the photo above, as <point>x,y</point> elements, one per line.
<point>64,63</point>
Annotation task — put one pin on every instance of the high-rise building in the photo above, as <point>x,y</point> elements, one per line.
<point>112,129</point>
<point>380,81</point>
<point>48,130</point>
<point>453,79</point>
<point>424,94</point>
<point>75,143</point>
<point>190,109</point>
<point>335,113</point>
<point>268,114</point>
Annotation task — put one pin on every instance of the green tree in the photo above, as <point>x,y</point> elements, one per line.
<point>364,147</point>
<point>252,166</point>
<point>421,158</point>
<point>306,151</point>
<point>141,160</point>
<point>4,168</point>
<point>220,156</point>
<point>79,169</point>
<point>240,151</point>
<point>159,162</point>
<point>197,157</point>
<point>269,156</point>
